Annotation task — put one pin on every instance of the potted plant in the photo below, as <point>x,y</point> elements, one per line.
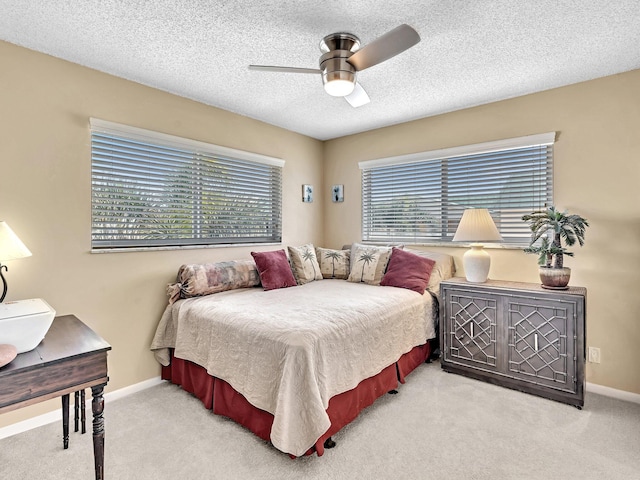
<point>559,227</point>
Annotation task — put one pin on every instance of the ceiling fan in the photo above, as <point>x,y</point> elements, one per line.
<point>342,58</point>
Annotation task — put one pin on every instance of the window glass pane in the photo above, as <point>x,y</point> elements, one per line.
<point>146,193</point>
<point>423,201</point>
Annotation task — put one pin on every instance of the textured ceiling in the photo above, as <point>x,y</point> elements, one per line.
<point>472,51</point>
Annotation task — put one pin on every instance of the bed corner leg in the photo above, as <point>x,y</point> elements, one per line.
<point>329,443</point>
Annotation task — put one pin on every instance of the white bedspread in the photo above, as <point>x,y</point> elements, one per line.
<point>288,351</point>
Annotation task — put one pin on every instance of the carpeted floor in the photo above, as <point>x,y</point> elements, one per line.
<point>440,426</point>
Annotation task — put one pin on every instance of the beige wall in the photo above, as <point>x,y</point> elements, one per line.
<point>45,197</point>
<point>596,174</point>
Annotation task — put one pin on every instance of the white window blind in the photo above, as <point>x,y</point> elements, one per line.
<point>421,197</point>
<point>150,189</point>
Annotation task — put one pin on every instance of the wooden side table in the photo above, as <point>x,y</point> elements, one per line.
<point>71,357</point>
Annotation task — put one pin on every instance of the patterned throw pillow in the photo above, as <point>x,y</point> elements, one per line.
<point>364,264</point>
<point>361,261</point>
<point>333,263</point>
<point>195,280</point>
<point>304,264</point>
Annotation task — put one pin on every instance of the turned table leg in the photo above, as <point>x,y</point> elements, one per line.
<point>76,410</point>
<point>97,407</point>
<point>65,421</point>
<point>83,415</point>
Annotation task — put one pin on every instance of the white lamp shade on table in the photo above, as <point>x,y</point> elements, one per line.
<point>11,247</point>
<point>476,226</point>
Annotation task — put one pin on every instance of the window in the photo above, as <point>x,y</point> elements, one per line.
<point>419,198</point>
<point>155,190</point>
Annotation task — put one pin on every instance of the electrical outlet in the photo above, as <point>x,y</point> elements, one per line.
<point>594,355</point>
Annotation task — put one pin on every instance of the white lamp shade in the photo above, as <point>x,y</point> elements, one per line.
<point>11,247</point>
<point>476,225</point>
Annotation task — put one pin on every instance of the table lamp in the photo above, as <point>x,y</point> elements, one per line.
<point>476,225</point>
<point>11,248</point>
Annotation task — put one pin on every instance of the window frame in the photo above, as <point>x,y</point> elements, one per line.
<point>437,161</point>
<point>212,157</point>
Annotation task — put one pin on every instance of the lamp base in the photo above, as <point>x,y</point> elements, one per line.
<point>4,283</point>
<point>476,263</point>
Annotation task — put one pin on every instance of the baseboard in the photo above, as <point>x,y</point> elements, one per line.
<point>612,392</point>
<point>131,389</point>
<point>56,415</point>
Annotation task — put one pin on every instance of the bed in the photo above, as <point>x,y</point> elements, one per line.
<point>294,365</point>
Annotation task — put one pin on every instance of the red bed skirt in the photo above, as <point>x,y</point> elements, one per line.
<point>343,408</point>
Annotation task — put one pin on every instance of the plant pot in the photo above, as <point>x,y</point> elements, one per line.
<point>555,278</point>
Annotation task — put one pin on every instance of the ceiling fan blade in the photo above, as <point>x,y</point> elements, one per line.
<point>383,48</point>
<point>271,68</point>
<point>358,97</point>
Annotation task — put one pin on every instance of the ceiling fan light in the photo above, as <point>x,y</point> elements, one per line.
<point>339,87</point>
<point>338,83</point>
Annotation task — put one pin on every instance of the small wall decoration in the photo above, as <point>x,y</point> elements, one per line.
<point>337,193</point>
<point>307,193</point>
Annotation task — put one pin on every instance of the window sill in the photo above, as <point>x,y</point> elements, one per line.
<point>496,246</point>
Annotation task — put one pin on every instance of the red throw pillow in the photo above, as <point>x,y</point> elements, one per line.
<point>274,269</point>
<point>408,270</point>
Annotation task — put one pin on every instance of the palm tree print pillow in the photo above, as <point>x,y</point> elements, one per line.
<point>333,263</point>
<point>380,265</point>
<point>304,264</point>
<point>364,264</point>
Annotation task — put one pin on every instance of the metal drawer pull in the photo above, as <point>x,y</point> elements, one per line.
<point>535,341</point>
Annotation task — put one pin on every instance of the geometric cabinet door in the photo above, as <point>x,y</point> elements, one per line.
<point>541,338</point>
<point>471,330</point>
